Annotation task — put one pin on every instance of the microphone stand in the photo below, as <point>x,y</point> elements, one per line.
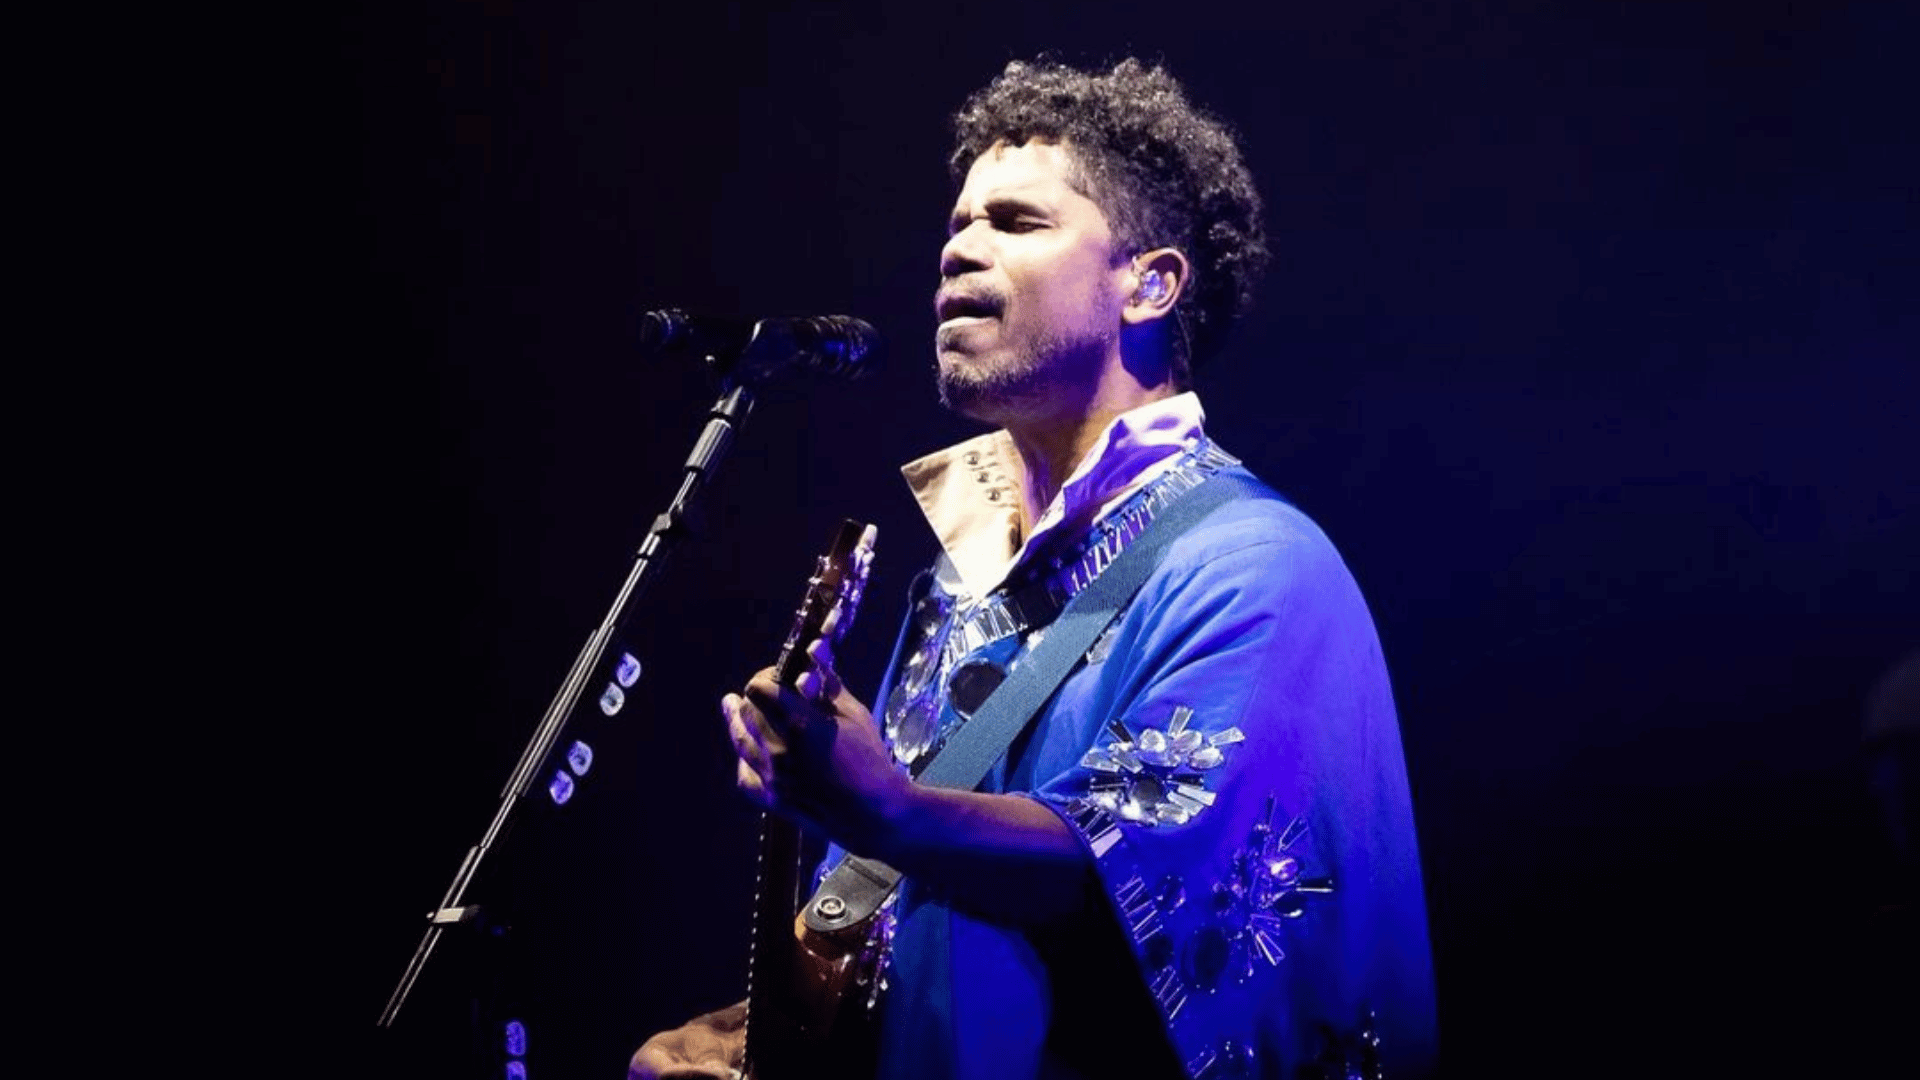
<point>455,908</point>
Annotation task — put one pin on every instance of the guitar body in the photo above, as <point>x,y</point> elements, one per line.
<point>823,1024</point>
<point>810,995</point>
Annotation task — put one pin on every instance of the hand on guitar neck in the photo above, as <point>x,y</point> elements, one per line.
<point>811,752</point>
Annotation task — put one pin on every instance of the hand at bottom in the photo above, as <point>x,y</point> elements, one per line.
<point>710,1046</point>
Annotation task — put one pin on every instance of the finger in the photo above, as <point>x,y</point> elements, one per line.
<point>812,686</point>
<point>785,711</point>
<point>764,694</point>
<point>819,688</point>
<point>752,784</point>
<point>700,1070</point>
<point>655,1063</point>
<point>744,734</point>
<point>757,718</point>
<point>765,683</point>
<point>821,653</point>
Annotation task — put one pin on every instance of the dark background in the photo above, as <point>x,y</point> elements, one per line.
<point>1589,339</point>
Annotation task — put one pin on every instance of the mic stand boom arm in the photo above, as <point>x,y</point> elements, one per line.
<point>722,421</point>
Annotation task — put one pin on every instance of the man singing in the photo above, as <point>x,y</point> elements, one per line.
<point>1198,858</point>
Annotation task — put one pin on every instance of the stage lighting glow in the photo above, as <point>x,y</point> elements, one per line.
<point>612,698</point>
<point>627,671</point>
<point>579,758</point>
<point>560,788</point>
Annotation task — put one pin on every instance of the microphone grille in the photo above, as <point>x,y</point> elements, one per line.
<point>846,347</point>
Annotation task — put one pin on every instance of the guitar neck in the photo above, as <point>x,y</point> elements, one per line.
<point>770,1034</point>
<point>773,1037</point>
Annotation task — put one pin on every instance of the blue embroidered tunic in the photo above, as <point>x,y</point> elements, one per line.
<point>1228,753</point>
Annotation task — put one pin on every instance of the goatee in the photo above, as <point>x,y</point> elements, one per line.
<point>997,394</point>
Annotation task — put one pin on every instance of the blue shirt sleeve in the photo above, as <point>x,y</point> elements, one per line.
<point>1231,760</point>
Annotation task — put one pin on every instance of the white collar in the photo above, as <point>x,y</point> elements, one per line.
<point>971,492</point>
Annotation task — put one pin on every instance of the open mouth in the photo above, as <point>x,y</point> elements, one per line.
<point>957,307</point>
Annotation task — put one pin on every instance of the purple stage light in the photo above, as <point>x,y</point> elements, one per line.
<point>612,698</point>
<point>579,758</point>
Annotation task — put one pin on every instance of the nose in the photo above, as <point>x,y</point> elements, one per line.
<point>965,251</point>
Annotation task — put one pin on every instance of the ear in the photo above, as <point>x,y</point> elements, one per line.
<point>1159,277</point>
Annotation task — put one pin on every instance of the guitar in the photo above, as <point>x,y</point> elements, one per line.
<point>809,994</point>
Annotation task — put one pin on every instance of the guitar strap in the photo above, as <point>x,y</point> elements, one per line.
<point>857,887</point>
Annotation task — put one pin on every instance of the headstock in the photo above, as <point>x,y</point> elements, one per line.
<point>832,598</point>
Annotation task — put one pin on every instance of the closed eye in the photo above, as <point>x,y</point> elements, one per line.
<point>1015,215</point>
<point>1005,215</point>
<point>1006,224</point>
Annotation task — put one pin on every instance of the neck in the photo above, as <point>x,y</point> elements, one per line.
<point>1050,447</point>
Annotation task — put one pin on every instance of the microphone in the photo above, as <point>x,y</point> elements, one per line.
<point>834,346</point>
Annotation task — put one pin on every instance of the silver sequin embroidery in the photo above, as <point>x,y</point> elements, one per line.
<point>1265,885</point>
<point>1159,776</point>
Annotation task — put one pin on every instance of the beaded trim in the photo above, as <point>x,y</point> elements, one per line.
<point>1036,603</point>
<point>1240,923</point>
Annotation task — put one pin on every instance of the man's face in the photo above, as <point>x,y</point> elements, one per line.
<point>1030,296</point>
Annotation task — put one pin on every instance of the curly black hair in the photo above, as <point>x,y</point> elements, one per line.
<point>1164,172</point>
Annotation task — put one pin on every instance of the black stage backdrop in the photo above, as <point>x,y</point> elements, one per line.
<point>1589,339</point>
